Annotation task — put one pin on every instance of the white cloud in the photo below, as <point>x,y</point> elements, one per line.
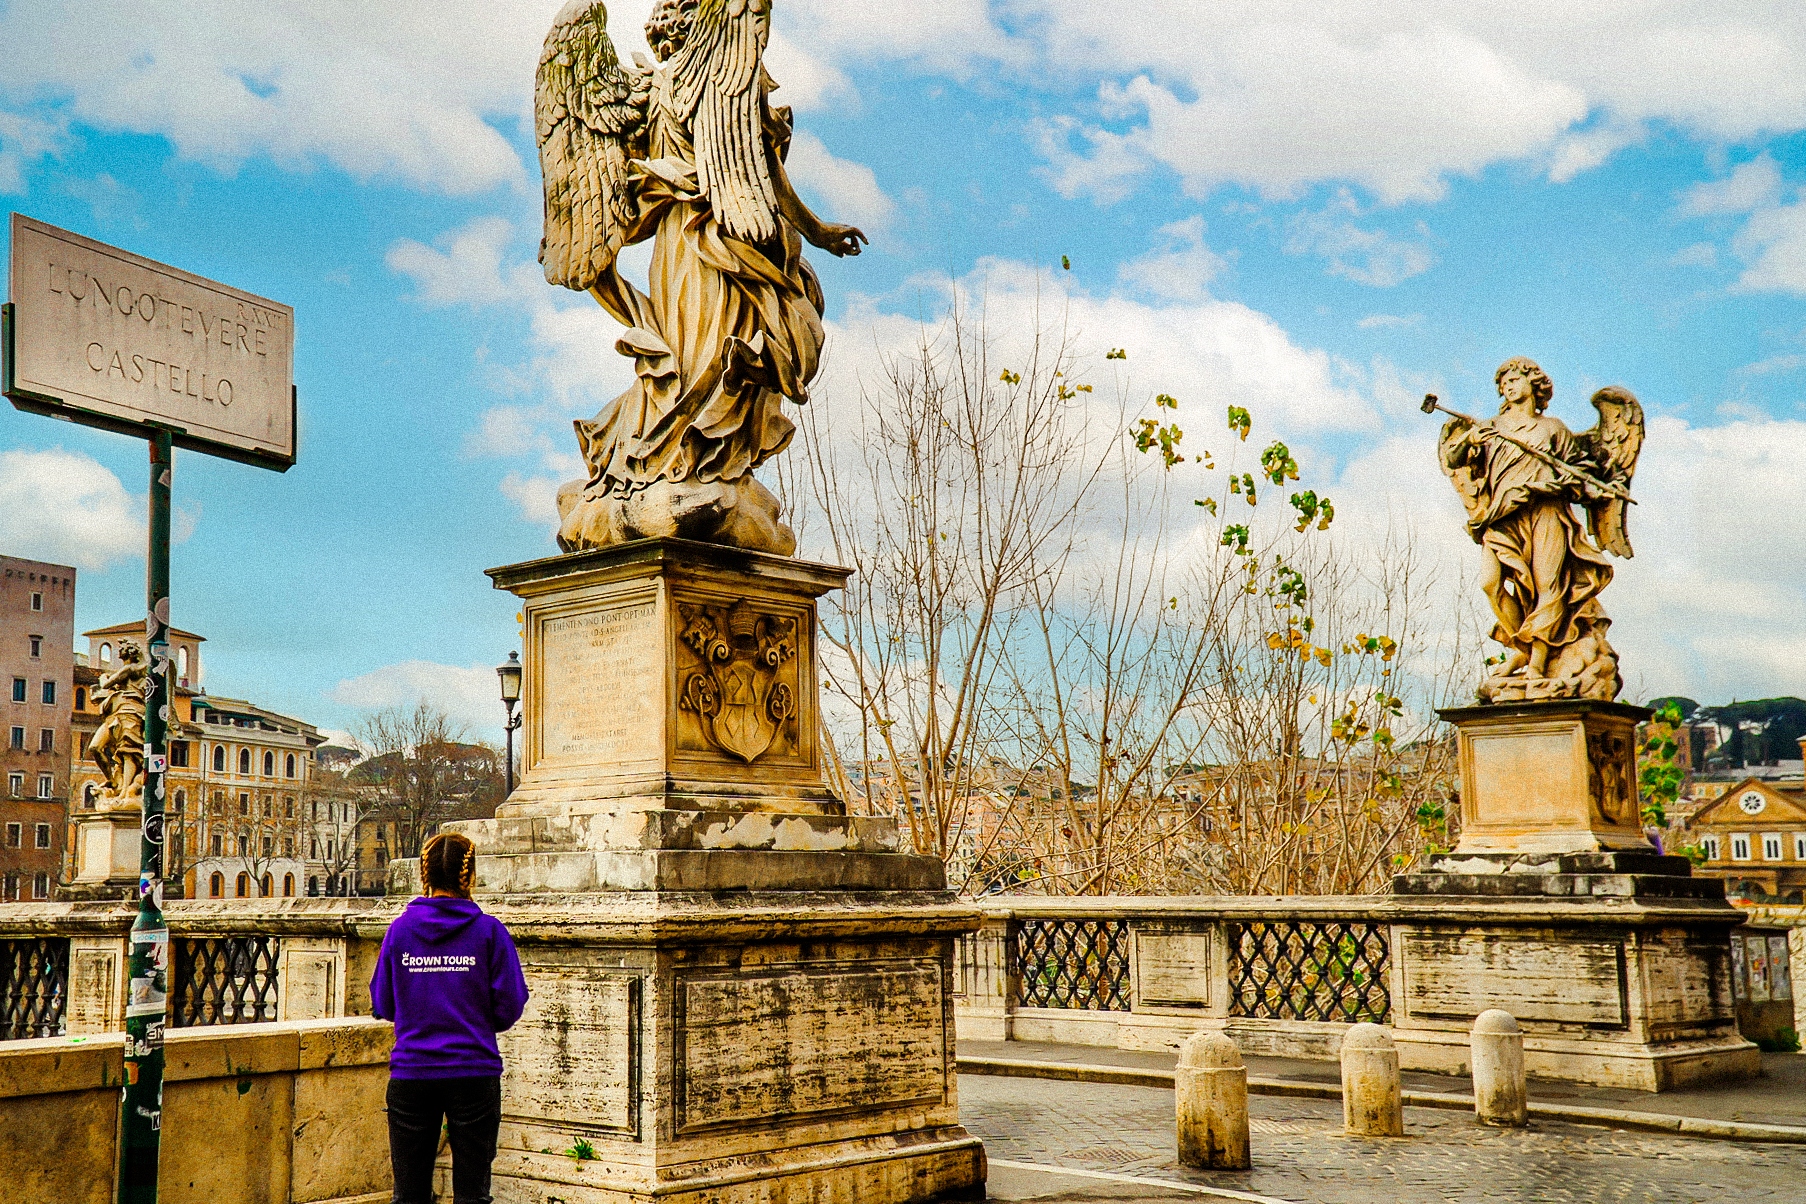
<point>537,497</point>
<point>850,189</point>
<point>468,694</point>
<point>67,508</point>
<point>469,269</point>
<point>1699,255</point>
<point>1383,321</point>
<point>24,140</point>
<point>1751,186</point>
<point>1180,268</point>
<point>1369,257</point>
<point>1773,244</point>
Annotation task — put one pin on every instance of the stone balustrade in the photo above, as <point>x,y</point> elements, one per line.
<point>62,965</point>
<point>1282,976</point>
<point>291,1112</point>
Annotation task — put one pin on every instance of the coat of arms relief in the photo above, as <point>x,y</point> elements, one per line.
<point>741,682</point>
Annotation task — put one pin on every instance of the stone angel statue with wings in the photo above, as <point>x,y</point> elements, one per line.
<point>1520,474</point>
<point>688,152</point>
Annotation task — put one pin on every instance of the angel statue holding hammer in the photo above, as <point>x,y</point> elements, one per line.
<point>688,152</point>
<point>1520,474</point>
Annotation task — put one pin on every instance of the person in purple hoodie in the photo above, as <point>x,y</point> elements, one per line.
<point>449,978</point>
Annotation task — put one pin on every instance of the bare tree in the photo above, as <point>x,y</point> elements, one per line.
<point>1052,695</point>
<point>422,772</point>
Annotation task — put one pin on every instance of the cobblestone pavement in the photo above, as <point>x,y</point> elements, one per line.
<point>1301,1155</point>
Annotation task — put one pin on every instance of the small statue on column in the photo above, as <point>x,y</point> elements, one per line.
<point>118,743</point>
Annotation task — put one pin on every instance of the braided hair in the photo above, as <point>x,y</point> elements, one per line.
<point>449,862</point>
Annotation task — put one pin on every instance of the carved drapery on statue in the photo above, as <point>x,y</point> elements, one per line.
<point>1520,474</point>
<point>689,153</point>
<point>117,746</point>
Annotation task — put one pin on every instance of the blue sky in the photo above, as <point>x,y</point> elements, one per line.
<point>1320,210</point>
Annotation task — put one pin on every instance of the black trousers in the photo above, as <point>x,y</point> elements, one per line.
<point>471,1111</point>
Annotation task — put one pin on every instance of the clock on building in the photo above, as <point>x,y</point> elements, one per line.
<point>1752,802</point>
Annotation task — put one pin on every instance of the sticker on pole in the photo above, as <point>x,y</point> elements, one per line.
<point>149,995</point>
<point>105,338</point>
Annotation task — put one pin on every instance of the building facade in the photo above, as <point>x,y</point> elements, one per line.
<point>1753,835</point>
<point>37,635</point>
<point>241,781</point>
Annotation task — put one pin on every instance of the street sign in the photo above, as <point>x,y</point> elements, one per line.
<point>106,338</point>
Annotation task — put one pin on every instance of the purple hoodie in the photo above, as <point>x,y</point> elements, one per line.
<point>449,978</point>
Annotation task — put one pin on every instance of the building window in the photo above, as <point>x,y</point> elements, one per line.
<point>219,802</point>
<point>244,802</point>
<point>81,698</point>
<point>288,766</point>
<point>178,754</point>
<point>40,887</point>
<point>181,800</point>
<point>288,846</point>
<point>106,653</point>
<point>1740,847</point>
<point>42,836</point>
<point>244,845</point>
<point>18,689</point>
<point>244,885</point>
<point>313,887</point>
<point>218,842</point>
<point>15,785</point>
<point>316,850</point>
<point>46,788</point>
<point>1771,846</point>
<point>315,808</point>
<point>182,665</point>
<point>14,835</point>
<point>49,693</point>
<point>288,886</point>
<point>10,893</point>
<point>269,846</point>
<point>216,885</point>
<point>264,887</point>
<point>46,740</point>
<point>37,601</point>
<point>244,762</point>
<point>269,764</point>
<point>288,807</point>
<point>37,647</point>
<point>1799,846</point>
<point>219,759</point>
<point>18,740</point>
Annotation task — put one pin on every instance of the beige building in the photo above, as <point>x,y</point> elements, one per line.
<point>1753,835</point>
<point>240,780</point>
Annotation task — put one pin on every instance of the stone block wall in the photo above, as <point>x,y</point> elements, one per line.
<point>288,1113</point>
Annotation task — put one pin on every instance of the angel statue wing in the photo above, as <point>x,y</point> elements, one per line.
<point>1613,444</point>
<point>1471,485</point>
<point>718,87</point>
<point>589,115</point>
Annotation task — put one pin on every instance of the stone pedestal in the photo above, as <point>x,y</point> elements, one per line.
<point>106,855</point>
<point>1614,960</point>
<point>740,993</point>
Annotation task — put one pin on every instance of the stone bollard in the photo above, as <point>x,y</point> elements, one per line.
<point>1500,1095</point>
<point>1370,1094</point>
<point>1210,1095</point>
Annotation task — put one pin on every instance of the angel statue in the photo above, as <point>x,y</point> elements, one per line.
<point>117,745</point>
<point>688,152</point>
<point>1520,473</point>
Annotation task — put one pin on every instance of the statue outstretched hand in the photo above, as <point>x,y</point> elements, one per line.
<point>841,240</point>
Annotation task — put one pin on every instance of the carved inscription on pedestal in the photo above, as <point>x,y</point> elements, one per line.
<point>798,1041</point>
<point>601,693</point>
<point>94,991</point>
<point>572,1056</point>
<point>1172,969</point>
<point>1561,981</point>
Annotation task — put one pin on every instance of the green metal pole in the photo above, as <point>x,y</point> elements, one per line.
<point>141,1127</point>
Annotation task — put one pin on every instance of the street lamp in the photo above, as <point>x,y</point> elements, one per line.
<point>510,675</point>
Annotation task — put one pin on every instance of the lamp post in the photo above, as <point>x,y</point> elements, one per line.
<point>510,675</point>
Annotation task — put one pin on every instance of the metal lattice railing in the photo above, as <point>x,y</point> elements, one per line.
<point>1309,970</point>
<point>225,980</point>
<point>1072,964</point>
<point>34,987</point>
